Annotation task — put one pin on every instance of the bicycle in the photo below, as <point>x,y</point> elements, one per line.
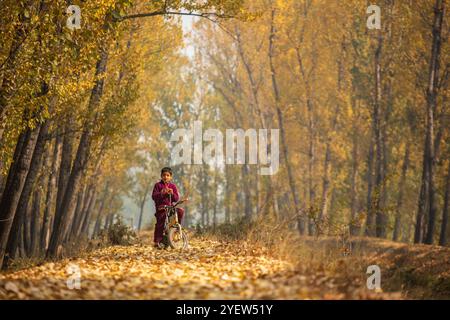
<point>174,235</point>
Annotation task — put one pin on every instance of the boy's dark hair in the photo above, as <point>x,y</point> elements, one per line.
<point>166,169</point>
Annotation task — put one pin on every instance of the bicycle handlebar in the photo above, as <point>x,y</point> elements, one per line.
<point>176,204</point>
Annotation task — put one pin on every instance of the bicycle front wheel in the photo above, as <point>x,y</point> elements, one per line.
<point>177,238</point>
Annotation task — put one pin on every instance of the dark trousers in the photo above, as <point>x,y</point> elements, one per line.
<point>160,219</point>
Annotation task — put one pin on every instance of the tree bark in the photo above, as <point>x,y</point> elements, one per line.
<point>98,222</point>
<point>23,204</point>
<point>378,140</point>
<point>204,198</point>
<point>311,143</point>
<point>79,219</point>
<point>444,225</point>
<point>65,163</point>
<point>216,200</point>
<point>401,192</point>
<point>142,205</point>
<point>311,161</point>
<point>280,118</point>
<point>374,192</point>
<point>35,217</point>
<point>109,220</point>
<point>327,165</point>
<point>81,200</point>
<point>432,94</point>
<point>14,185</point>
<point>354,223</point>
<point>247,194</point>
<point>80,163</point>
<point>26,231</point>
<point>101,208</point>
<point>227,195</point>
<point>369,205</point>
<point>422,204</point>
<point>50,197</point>
<point>84,232</point>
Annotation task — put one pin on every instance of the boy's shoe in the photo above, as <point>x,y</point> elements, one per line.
<point>158,245</point>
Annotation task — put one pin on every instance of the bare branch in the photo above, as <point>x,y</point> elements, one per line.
<point>207,15</point>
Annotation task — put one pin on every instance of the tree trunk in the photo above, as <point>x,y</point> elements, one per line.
<point>141,212</point>
<point>80,163</point>
<point>21,210</point>
<point>204,198</point>
<point>65,164</point>
<point>444,225</point>
<point>325,183</point>
<point>216,200</point>
<point>354,223</point>
<point>84,232</point>
<point>369,205</point>
<point>382,218</point>
<point>327,164</point>
<point>108,217</point>
<point>432,94</point>
<point>142,205</point>
<point>21,249</point>
<point>401,192</point>
<point>374,192</point>
<point>109,220</point>
<point>81,200</point>
<point>311,161</point>
<point>50,197</point>
<point>35,217</point>
<point>379,232</point>
<point>280,117</point>
<point>78,222</point>
<point>14,185</point>
<point>26,230</point>
<point>256,104</point>
<point>98,222</point>
<point>247,195</point>
<point>227,194</point>
<point>422,205</point>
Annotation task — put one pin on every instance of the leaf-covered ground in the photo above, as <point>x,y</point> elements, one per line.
<point>209,269</point>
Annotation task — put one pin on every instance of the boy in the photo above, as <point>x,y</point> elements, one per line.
<point>164,192</point>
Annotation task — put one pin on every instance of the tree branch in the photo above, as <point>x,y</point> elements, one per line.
<point>207,15</point>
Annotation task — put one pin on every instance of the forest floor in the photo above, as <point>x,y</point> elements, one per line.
<point>219,269</point>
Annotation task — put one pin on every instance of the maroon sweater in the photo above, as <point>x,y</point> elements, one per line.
<point>161,198</point>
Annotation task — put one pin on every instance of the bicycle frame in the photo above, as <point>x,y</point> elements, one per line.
<point>171,216</point>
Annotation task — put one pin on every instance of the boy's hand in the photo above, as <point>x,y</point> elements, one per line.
<point>169,191</point>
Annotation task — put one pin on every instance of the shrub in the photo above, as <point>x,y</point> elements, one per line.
<point>119,234</point>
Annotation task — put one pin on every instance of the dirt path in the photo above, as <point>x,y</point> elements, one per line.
<point>209,269</point>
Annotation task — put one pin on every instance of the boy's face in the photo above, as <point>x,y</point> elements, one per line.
<point>166,177</point>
